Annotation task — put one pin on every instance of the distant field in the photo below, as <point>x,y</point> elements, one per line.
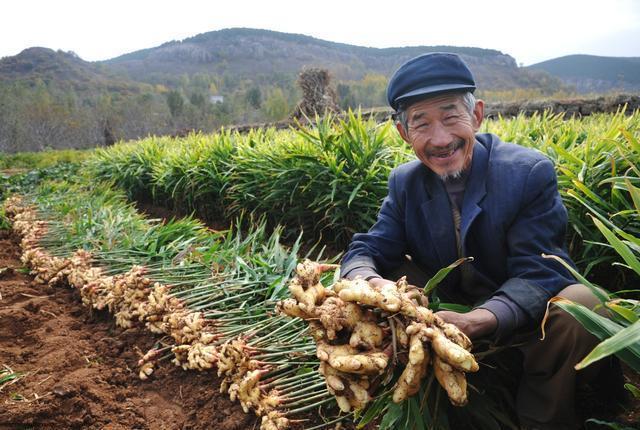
<point>38,160</point>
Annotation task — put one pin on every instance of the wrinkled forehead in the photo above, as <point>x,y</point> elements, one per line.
<point>435,106</point>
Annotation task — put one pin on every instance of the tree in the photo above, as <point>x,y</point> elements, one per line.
<point>254,97</point>
<point>197,100</point>
<point>175,103</point>
<point>276,106</point>
<point>346,98</point>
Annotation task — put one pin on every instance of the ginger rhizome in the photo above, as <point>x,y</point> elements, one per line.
<point>361,330</point>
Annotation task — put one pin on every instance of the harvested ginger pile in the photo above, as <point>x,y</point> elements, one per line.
<point>363,333</point>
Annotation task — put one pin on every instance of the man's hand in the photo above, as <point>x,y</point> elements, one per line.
<point>380,282</point>
<point>475,324</point>
<point>411,292</point>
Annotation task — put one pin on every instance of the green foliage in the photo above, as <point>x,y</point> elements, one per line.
<point>254,97</point>
<point>39,160</point>
<point>175,103</point>
<point>442,273</point>
<point>7,376</point>
<point>370,91</point>
<point>27,181</point>
<point>130,166</point>
<point>635,391</point>
<point>276,107</point>
<point>594,156</point>
<point>99,218</point>
<point>198,100</point>
<point>620,333</point>
<point>330,178</point>
<point>4,221</point>
<point>193,172</point>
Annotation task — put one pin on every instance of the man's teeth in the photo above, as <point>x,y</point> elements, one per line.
<point>445,155</point>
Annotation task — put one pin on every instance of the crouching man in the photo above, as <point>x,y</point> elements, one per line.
<point>471,194</point>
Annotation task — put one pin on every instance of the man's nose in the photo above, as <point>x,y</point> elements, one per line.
<point>440,136</point>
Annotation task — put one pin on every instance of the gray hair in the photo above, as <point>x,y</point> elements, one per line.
<point>468,99</point>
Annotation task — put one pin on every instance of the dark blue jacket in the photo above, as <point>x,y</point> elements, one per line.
<point>511,214</point>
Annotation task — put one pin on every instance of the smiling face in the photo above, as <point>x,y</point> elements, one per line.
<point>442,132</point>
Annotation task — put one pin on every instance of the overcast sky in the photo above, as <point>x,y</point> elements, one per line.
<point>530,31</point>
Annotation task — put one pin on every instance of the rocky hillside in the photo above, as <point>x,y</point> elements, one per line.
<point>261,53</point>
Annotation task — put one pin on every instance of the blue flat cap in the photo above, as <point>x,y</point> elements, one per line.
<point>429,74</point>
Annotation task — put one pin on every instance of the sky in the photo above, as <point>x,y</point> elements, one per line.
<point>530,31</point>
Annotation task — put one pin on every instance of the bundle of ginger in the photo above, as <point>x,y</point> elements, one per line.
<point>363,333</point>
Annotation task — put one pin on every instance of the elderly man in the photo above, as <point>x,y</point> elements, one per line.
<point>471,194</point>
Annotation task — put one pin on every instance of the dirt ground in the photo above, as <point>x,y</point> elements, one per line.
<point>79,370</point>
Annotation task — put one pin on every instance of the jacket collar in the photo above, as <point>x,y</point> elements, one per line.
<point>437,210</point>
<point>475,189</point>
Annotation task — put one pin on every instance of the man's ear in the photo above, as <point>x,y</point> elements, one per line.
<point>402,131</point>
<point>478,114</point>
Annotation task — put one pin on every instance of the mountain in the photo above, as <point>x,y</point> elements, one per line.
<point>591,73</point>
<point>219,78</point>
<point>65,70</point>
<point>258,54</point>
<point>54,99</point>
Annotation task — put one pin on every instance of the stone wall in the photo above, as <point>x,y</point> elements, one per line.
<point>570,108</point>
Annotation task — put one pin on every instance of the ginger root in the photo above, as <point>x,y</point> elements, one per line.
<point>348,359</point>
<point>386,298</point>
<point>414,372</point>
<point>453,381</point>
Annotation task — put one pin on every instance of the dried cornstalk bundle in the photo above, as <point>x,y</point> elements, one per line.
<point>355,325</point>
<point>318,98</point>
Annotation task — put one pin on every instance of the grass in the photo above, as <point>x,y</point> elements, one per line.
<point>43,159</point>
<point>8,377</point>
<point>329,179</point>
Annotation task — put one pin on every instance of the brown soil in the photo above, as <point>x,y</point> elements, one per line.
<point>79,370</point>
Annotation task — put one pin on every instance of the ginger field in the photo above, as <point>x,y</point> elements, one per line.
<point>202,312</point>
